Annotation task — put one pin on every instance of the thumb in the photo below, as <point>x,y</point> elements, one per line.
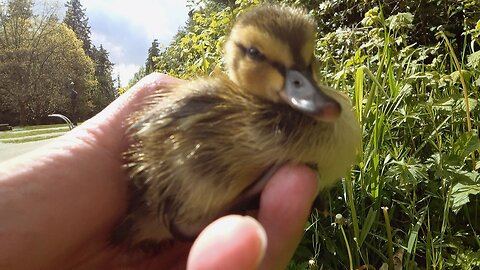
<point>231,242</point>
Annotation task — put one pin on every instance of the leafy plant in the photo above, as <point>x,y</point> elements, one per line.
<point>419,153</point>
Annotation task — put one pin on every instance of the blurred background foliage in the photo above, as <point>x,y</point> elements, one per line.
<point>412,69</point>
<point>50,66</point>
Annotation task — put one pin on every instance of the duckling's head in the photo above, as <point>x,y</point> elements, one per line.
<point>270,53</point>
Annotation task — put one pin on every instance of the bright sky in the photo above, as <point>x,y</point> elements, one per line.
<point>127,28</point>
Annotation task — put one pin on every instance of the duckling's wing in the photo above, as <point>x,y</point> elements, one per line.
<point>187,154</point>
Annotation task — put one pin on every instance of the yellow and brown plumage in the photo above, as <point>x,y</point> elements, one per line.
<point>204,145</point>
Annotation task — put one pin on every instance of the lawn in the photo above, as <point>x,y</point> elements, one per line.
<point>33,133</point>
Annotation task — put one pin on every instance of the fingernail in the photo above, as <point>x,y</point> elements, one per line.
<point>241,240</point>
<point>262,236</point>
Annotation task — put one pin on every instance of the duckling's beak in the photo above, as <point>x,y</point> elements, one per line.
<point>303,94</point>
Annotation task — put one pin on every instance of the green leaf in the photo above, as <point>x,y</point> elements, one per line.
<point>413,234</point>
<point>474,60</point>
<point>456,75</point>
<point>456,104</point>
<point>359,79</point>
<point>408,171</point>
<point>400,21</point>
<point>460,194</point>
<point>466,144</point>
<point>371,217</point>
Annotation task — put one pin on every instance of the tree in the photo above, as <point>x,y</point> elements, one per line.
<point>153,54</point>
<point>21,9</point>
<point>119,83</point>
<point>104,92</point>
<point>38,57</point>
<point>15,18</point>
<point>197,48</point>
<point>136,77</point>
<point>77,20</point>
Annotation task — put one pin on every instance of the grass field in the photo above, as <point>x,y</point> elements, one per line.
<point>33,133</point>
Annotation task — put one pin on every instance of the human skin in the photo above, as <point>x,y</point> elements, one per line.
<point>60,204</point>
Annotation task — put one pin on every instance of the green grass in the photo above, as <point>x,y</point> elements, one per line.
<point>24,134</point>
<point>415,193</point>
<point>32,132</point>
<point>24,140</point>
<point>39,127</point>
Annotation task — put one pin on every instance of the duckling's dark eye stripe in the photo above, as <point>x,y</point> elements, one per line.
<point>259,56</point>
<point>281,68</point>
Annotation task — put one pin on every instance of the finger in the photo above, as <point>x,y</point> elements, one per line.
<point>231,242</point>
<point>284,208</point>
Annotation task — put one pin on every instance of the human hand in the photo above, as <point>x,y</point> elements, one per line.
<point>60,204</point>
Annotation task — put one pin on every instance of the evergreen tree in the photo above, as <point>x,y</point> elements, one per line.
<point>76,19</point>
<point>105,92</point>
<point>153,54</point>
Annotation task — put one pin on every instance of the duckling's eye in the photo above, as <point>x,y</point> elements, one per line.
<point>254,54</point>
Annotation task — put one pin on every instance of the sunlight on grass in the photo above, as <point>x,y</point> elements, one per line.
<point>33,133</point>
<point>27,139</point>
<point>39,127</point>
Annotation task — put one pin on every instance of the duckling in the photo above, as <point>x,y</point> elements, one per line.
<point>206,148</point>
